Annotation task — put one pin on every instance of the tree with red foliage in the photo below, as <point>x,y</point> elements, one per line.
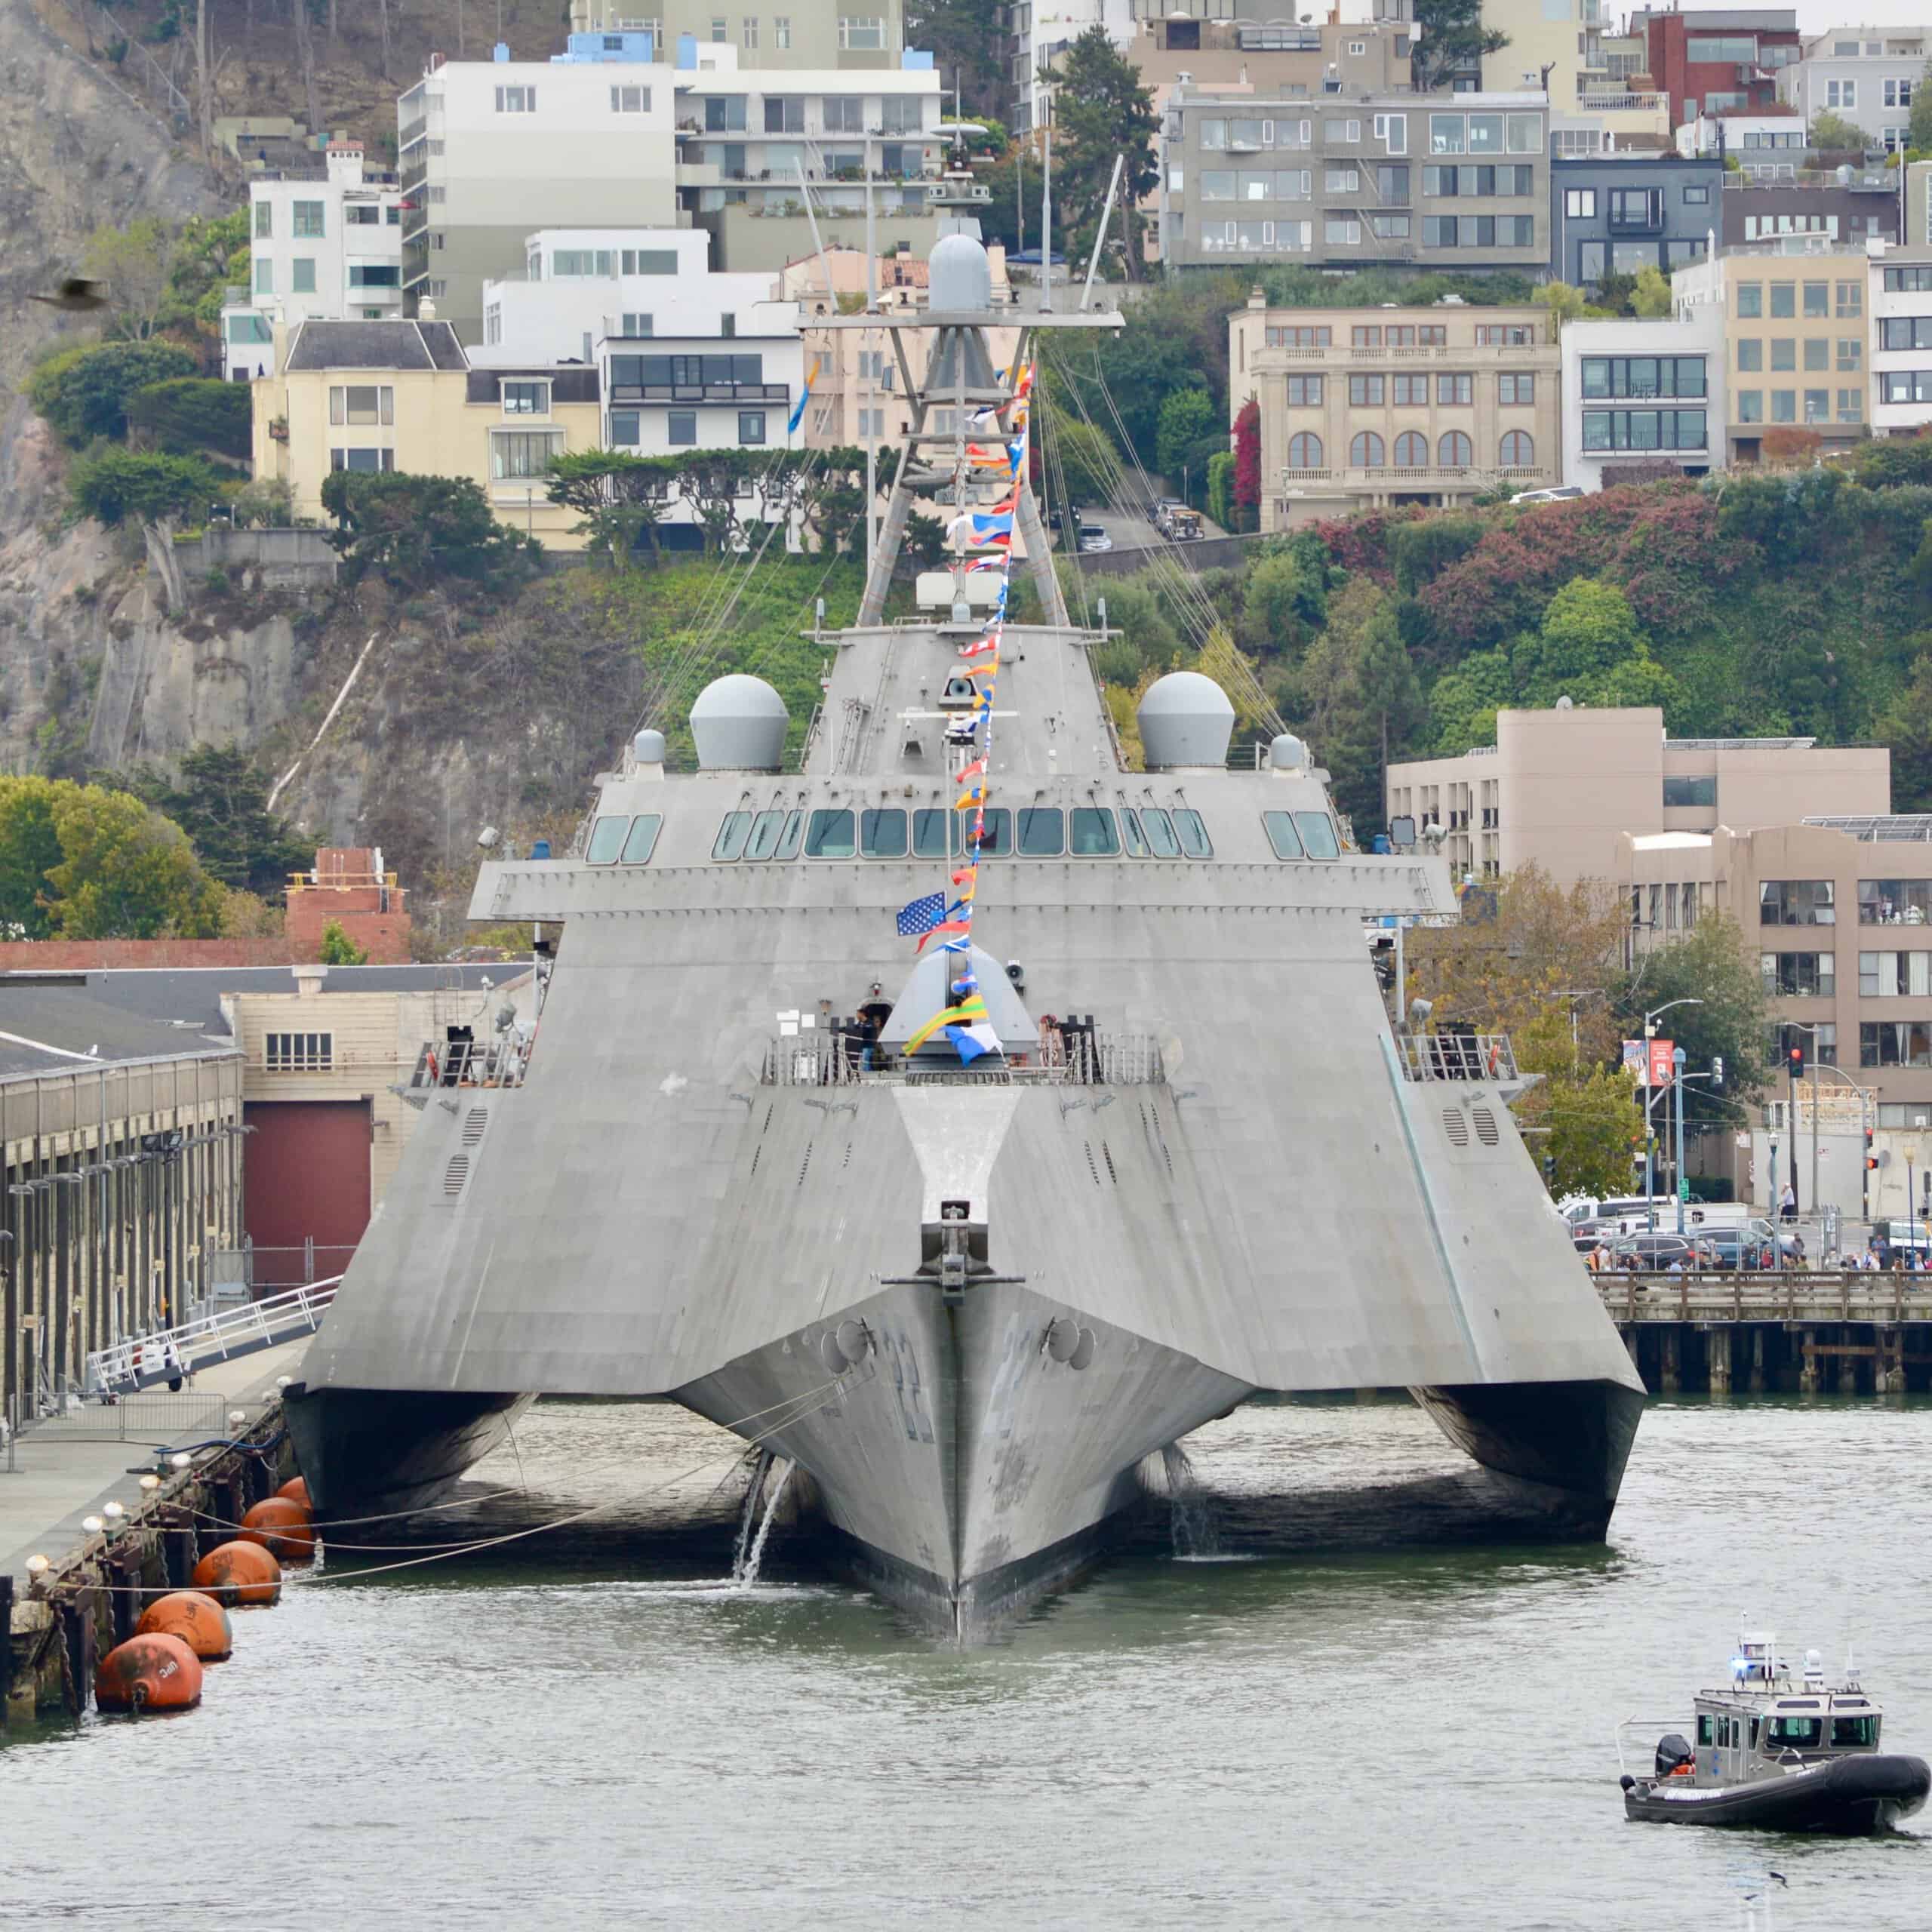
<point>1247,464</point>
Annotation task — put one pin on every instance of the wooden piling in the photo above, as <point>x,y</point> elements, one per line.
<point>1717,1354</point>
<point>77,1632</point>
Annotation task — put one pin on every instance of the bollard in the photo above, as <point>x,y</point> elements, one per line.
<point>77,1628</point>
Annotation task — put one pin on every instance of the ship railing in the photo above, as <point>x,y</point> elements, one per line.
<point>167,1354</point>
<point>501,1061</point>
<point>1457,1055</point>
<point>829,1059</point>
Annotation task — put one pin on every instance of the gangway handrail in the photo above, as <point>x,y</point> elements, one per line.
<point>137,1359</point>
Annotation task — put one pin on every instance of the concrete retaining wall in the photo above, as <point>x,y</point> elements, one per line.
<point>280,556</point>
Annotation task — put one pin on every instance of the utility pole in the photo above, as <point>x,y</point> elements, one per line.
<point>1676,1058</point>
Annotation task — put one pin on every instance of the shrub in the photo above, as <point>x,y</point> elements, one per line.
<point>187,413</point>
<point>84,393</point>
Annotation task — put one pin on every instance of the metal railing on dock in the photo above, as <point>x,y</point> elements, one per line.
<point>1457,1055</point>
<point>143,1360</point>
<point>1083,1060</point>
<point>1825,1294</point>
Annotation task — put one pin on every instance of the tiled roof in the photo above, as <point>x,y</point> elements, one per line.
<point>398,344</point>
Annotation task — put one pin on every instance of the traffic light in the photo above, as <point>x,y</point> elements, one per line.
<point>1796,1062</point>
<point>1717,1070</point>
<point>1871,1158</point>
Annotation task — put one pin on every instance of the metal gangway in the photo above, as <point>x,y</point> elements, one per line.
<point>141,1361</point>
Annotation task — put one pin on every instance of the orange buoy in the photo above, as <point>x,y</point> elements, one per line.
<point>296,1489</point>
<point>283,1527</point>
<point>239,1573</point>
<point>154,1673</point>
<point>197,1620</point>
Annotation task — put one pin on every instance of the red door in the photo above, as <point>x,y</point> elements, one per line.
<point>305,1179</point>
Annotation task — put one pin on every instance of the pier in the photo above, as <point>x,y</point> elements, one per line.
<point>1827,1332</point>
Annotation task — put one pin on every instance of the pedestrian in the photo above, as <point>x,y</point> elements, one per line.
<point>1788,1203</point>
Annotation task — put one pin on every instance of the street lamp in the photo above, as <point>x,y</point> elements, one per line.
<point>1650,1095</point>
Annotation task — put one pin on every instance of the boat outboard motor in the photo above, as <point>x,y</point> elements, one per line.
<point>1672,1750</point>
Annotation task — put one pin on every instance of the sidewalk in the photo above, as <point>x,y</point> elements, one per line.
<point>69,1467</point>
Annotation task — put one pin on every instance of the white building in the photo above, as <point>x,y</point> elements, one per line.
<point>1755,140</point>
<point>608,135</point>
<point>1862,75</point>
<point>326,246</point>
<point>1900,304</point>
<point>1636,394</point>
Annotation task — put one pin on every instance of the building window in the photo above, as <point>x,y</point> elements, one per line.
<point>724,114</point>
<point>264,275</point>
<point>1904,386</point>
<point>1342,231</point>
<point>526,398</point>
<point>1750,354</point>
<point>1455,389</point>
<point>680,429</point>
<point>1455,451</point>
<point>1412,448</point>
<point>1642,375</point>
<point>1851,405</point>
<point>861,33</point>
<point>1295,337</point>
<point>649,261</point>
<point>781,32</point>
<point>1580,204</point>
<point>637,325</point>
<point>1851,353</point>
<point>1784,299</point>
<point>362,406</point>
<point>516,455</point>
<point>720,30</point>
<point>1680,794</point>
<point>493,324</point>
<point>1505,335</point>
<point>309,226</point>
<point>298,1053</point>
<point>1365,391</point>
<point>1696,197</point>
<point>844,114</point>
<point>573,264</point>
<point>1367,451</point>
<point>1305,450</point>
<point>1750,299</point>
<point>751,425</point>
<point>1341,181</point>
<point>1895,1042</point>
<point>1389,227</point>
<point>302,278</point>
<point>1643,430</point>
<point>265,222</point>
<point>516,101</point>
<point>1906,332</point>
<point>1784,405</point>
<point>1304,392</point>
<point>1841,93</point>
<point>1784,352</point>
<point>374,275</point>
<point>1916,281</point>
<point>630,100</point>
<point>1895,902</point>
<point>748,33</point>
<point>1796,902</point>
<point>1817,353</point>
<point>1821,1042</point>
<point>1799,975</point>
<point>1411,391</point>
<point>1518,449</point>
<point>1342,133</point>
<point>1895,975</point>
<point>626,424</point>
<point>365,461</point>
<point>1817,405</point>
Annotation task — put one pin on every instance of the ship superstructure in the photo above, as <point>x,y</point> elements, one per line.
<point>968,1231</point>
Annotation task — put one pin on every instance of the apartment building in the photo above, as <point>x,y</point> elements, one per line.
<point>1618,213</point>
<point>1718,62</point>
<point>1795,330</point>
<point>1558,47</point>
<point>1173,48</point>
<point>492,151</point>
<point>1863,1008</point>
<point>849,34</point>
<point>1865,76</point>
<point>401,395</point>
<point>1900,302</point>
<point>1451,182</point>
<point>1767,199</point>
<point>1368,407</point>
<point>1560,788</point>
<point>1641,395</point>
<point>1768,143</point>
<point>325,241</point>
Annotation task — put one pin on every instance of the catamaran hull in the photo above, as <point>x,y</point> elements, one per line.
<point>1845,1798</point>
<point>371,1453</point>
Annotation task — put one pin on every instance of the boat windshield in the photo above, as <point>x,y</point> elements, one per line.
<point>1803,1733</point>
<point>1851,1731</point>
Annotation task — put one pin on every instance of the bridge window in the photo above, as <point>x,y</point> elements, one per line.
<point>1850,1731</point>
<point>732,836</point>
<point>1802,1732</point>
<point>643,839</point>
<point>1193,839</point>
<point>765,832</point>
<point>1042,832</point>
<point>1137,839</point>
<point>882,834</point>
<point>929,835</point>
<point>1282,835</point>
<point>795,833</point>
<point>1160,831</point>
<point>607,840</point>
<point>831,835</point>
<point>298,1053</point>
<point>1317,834</point>
<point>1093,834</point>
<point>997,843</point>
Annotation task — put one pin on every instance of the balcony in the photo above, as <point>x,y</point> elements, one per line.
<point>1620,100</point>
<point>623,393</point>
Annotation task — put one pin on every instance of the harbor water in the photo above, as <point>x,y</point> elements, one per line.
<point>1341,1717</point>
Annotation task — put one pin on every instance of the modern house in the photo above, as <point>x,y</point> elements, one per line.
<point>1615,213</point>
<point>1900,304</point>
<point>1865,76</point>
<point>1640,396</point>
<point>1367,407</point>
<point>1718,62</point>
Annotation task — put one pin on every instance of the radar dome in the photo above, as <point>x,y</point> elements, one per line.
<point>738,724</point>
<point>1186,719</point>
<point>647,748</point>
<point>958,275</point>
<point>1288,753</point>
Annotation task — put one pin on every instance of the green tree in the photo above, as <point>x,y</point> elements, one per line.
<point>84,393</point>
<point>1076,453</point>
<point>126,872</point>
<point>1565,304</point>
<point>1102,113</point>
<point>1587,627</point>
<point>189,414</point>
<point>155,490</point>
<point>1278,612</point>
<point>1186,417</point>
<point>29,850</point>
<point>1453,36</point>
<point>1418,550</point>
<point>954,33</point>
<point>1590,1118</point>
<point>338,949</point>
<point>1221,488</point>
<point>221,803</point>
<point>1464,701</point>
<point>416,531</point>
<point>1906,726</point>
<point>1708,964</point>
<point>1649,297</point>
<point>622,497</point>
<point>1832,133</point>
<point>132,258</point>
<point>1361,698</point>
<point>209,255</point>
<point>1919,133</point>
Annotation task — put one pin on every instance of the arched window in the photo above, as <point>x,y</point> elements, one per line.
<point>1519,450</point>
<point>1411,451</point>
<point>1367,451</point>
<point>1453,451</point>
<point>1305,451</point>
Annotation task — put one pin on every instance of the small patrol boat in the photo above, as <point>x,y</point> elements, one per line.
<point>1778,1754</point>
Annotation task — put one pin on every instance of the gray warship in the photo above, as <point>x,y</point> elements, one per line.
<point>736,1167</point>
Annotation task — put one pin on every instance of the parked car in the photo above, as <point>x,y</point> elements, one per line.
<point>1183,526</point>
<point>1092,539</point>
<point>1738,1249</point>
<point>1161,509</point>
<point>1653,1253</point>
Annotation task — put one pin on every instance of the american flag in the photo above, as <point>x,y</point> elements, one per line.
<point>920,917</point>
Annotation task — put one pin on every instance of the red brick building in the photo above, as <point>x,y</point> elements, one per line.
<point>348,887</point>
<point>1718,62</point>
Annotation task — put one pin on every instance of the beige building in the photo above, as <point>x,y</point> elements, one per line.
<point>1278,58</point>
<point>388,395</point>
<point>1836,912</point>
<point>1363,407</point>
<point>1563,790</point>
<point>1795,327</point>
